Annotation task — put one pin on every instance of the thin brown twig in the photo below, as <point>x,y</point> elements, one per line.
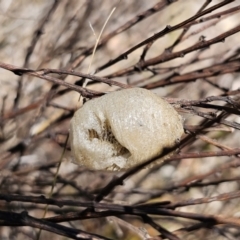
<point>40,74</point>
<point>161,5</point>
<point>170,56</point>
<point>36,36</point>
<point>83,75</point>
<point>23,219</point>
<point>165,31</point>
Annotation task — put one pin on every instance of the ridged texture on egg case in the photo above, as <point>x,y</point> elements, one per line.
<point>123,128</point>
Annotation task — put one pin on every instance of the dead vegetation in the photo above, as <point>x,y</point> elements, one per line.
<point>184,51</point>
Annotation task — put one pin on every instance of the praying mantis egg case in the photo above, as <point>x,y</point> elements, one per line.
<point>123,128</point>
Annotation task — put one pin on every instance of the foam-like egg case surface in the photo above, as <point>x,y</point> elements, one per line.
<point>123,128</point>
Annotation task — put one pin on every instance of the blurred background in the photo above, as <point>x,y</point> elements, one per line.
<point>192,59</point>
